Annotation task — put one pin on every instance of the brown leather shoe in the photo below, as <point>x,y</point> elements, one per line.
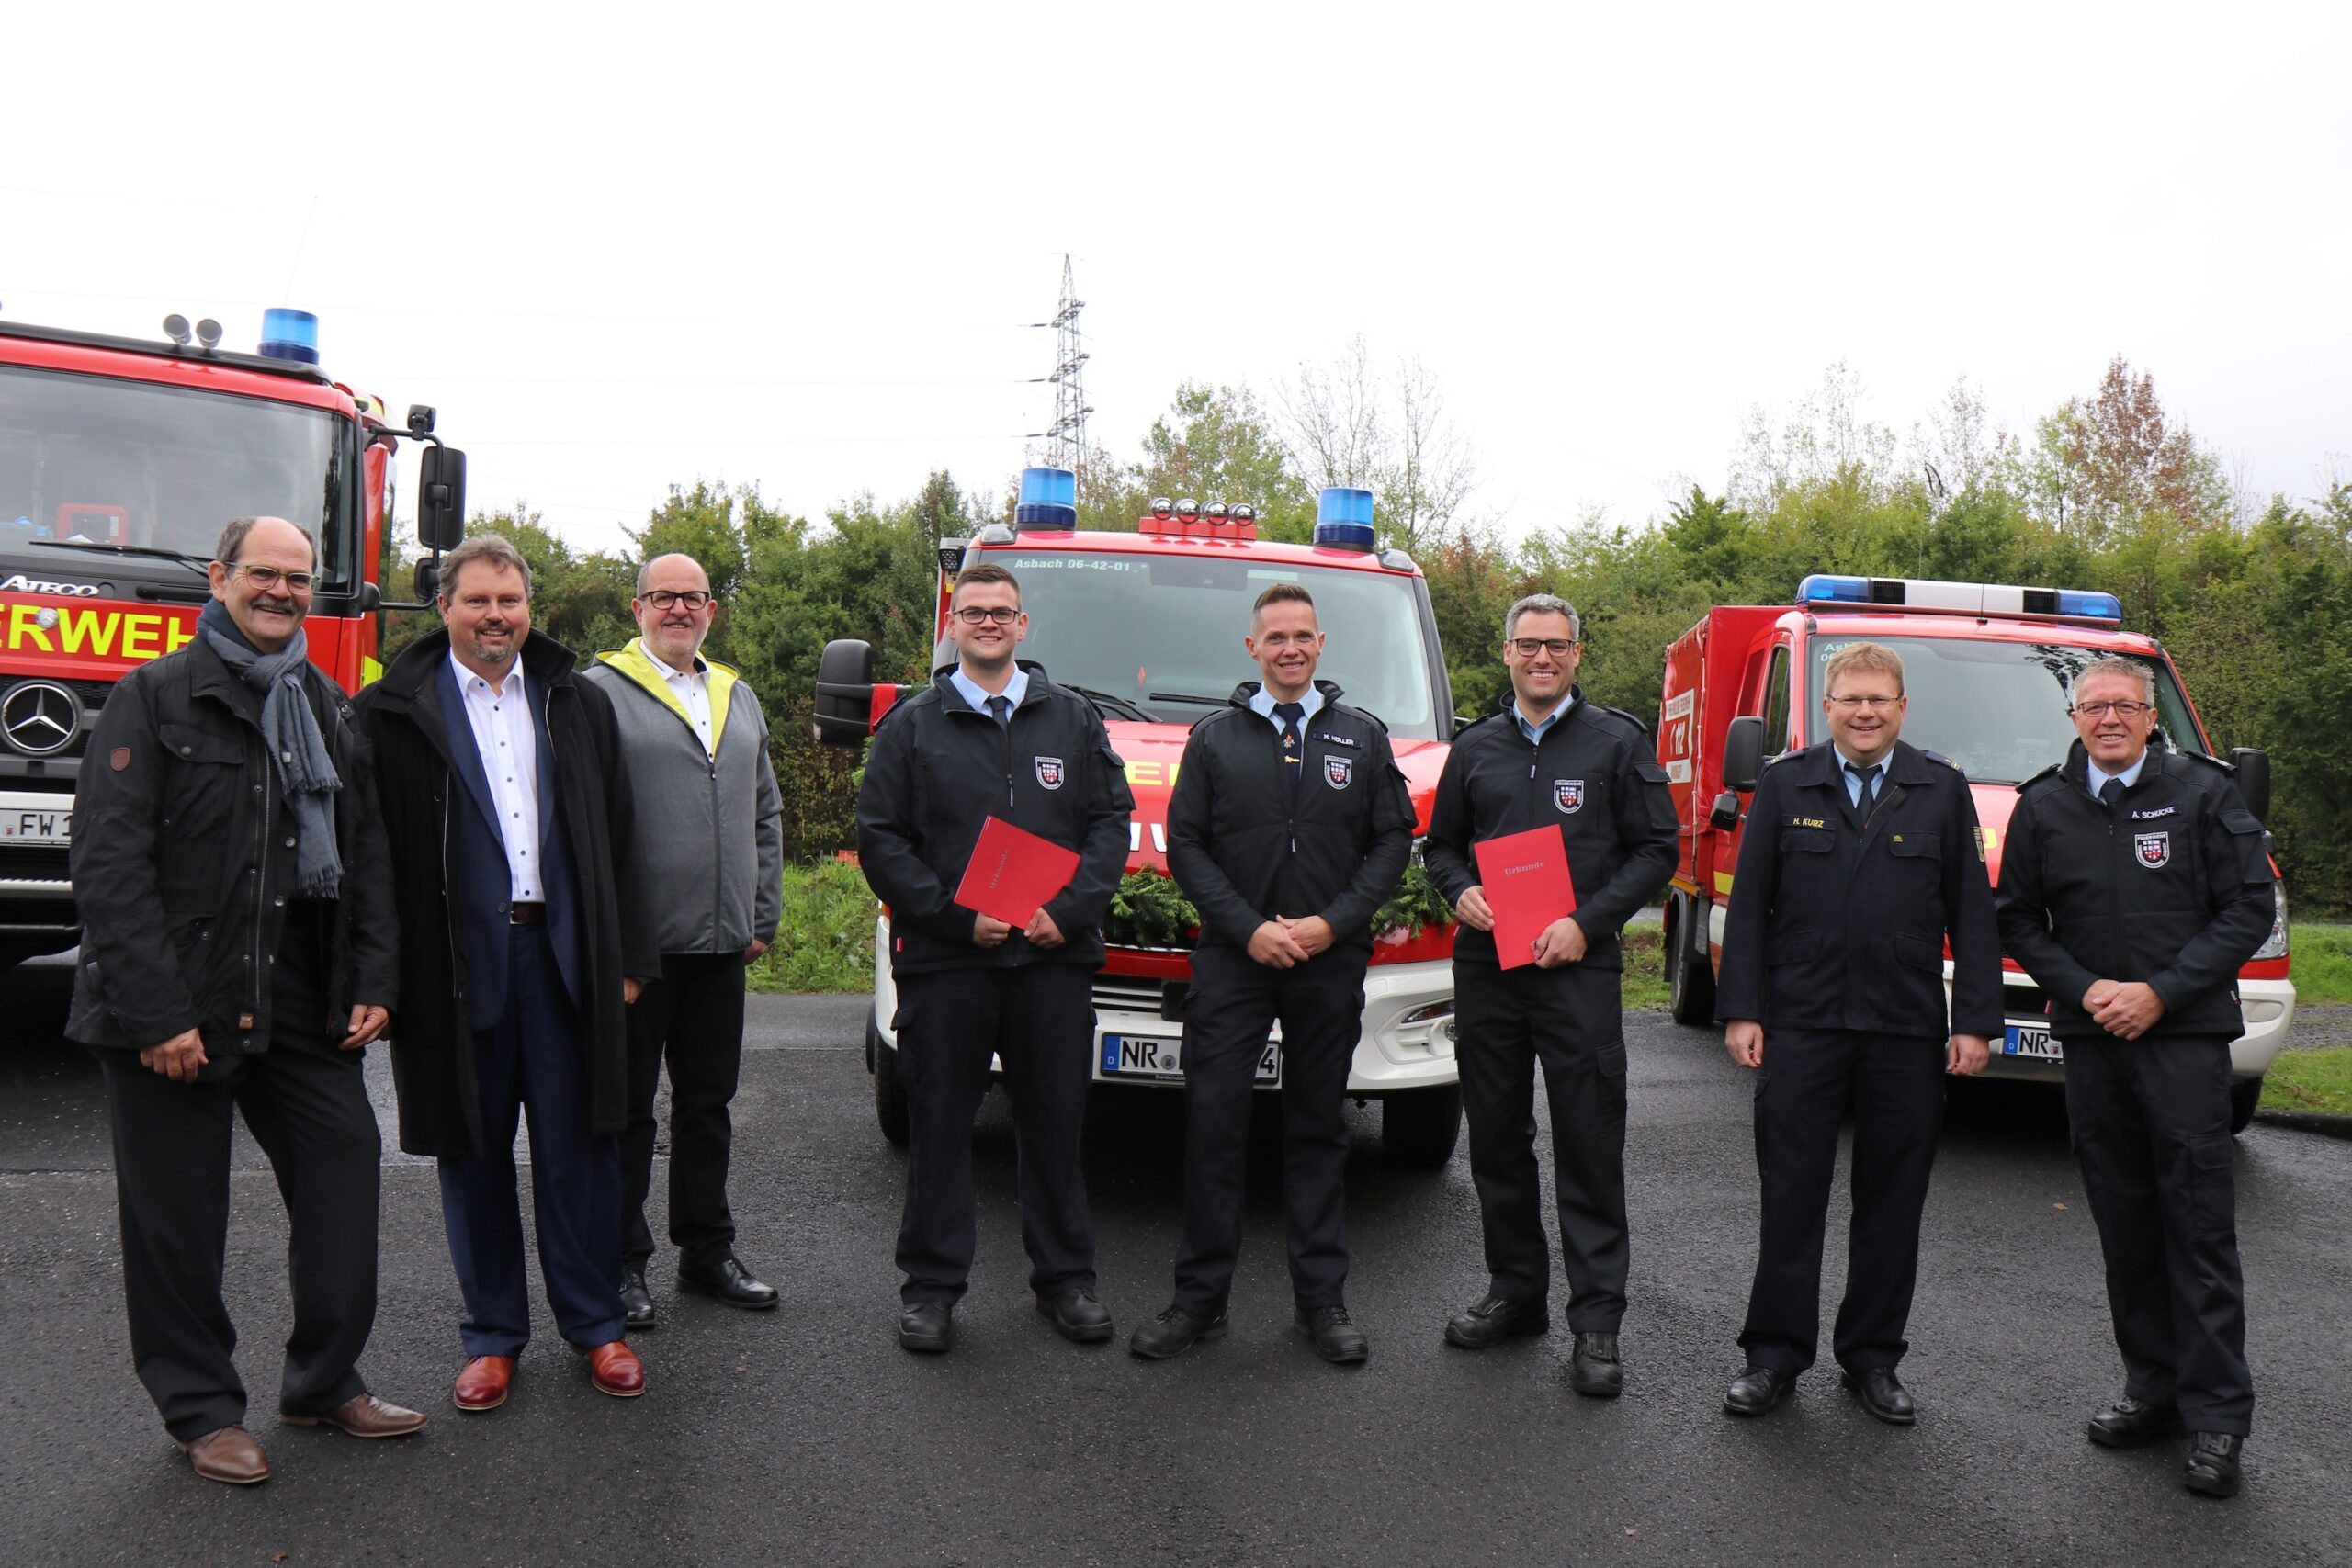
<point>614,1369</point>
<point>362,1416</point>
<point>228,1454</point>
<point>483,1384</point>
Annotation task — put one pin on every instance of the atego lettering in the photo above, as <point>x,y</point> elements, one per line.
<point>21,584</point>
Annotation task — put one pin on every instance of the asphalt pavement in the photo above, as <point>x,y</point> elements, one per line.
<point>805,1436</point>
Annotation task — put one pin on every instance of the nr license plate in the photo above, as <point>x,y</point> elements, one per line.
<point>51,827</point>
<point>1157,1056</point>
<point>2031,1039</point>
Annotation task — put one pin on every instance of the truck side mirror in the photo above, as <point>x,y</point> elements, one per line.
<point>2253,779</point>
<point>845,693</point>
<point>1743,752</point>
<point>429,580</point>
<point>441,497</point>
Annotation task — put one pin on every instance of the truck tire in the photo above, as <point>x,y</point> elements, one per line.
<point>1690,976</point>
<point>889,1094</point>
<point>1419,1127</point>
<point>2244,1095</point>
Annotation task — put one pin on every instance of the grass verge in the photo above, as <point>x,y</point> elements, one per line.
<point>2311,1080</point>
<point>1644,948</point>
<point>825,940</point>
<point>2323,968</point>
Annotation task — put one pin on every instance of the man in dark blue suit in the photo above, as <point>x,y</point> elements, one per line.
<point>528,940</point>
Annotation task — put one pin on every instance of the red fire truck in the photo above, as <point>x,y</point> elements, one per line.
<point>1988,667</point>
<point>120,461</point>
<point>1149,627</point>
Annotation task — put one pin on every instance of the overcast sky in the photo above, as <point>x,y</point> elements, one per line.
<point>624,249</point>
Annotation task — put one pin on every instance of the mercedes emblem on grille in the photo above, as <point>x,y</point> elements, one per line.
<point>39,717</point>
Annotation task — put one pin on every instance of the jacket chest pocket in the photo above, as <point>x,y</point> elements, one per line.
<point>1918,857</point>
<point>1808,840</point>
<point>203,806</point>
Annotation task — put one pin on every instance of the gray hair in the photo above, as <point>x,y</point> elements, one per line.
<point>494,548</point>
<point>1541,604</point>
<point>233,539</point>
<point>2132,669</point>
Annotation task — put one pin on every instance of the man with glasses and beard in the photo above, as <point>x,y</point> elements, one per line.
<point>710,831</point>
<point>1550,758</point>
<point>237,954</point>
<point>2134,885</point>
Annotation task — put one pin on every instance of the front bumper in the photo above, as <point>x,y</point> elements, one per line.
<point>1395,1053</point>
<point>2269,1006</point>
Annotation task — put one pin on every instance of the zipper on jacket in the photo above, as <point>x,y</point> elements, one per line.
<point>261,878</point>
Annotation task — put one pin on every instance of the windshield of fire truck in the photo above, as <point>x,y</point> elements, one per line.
<point>93,461</point>
<point>1152,630</point>
<point>1998,708</point>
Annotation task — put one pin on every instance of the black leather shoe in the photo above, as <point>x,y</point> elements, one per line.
<point>1759,1391</point>
<point>1594,1370</point>
<point>1336,1340</point>
<point>2128,1423</point>
<point>727,1280</point>
<point>1173,1332</point>
<point>2213,1465</point>
<point>1077,1316</point>
<point>637,1301</point>
<point>1494,1319</point>
<point>1882,1393</point>
<point>927,1329</point>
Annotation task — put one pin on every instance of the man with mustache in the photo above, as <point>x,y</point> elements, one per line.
<point>237,954</point>
<point>1549,758</point>
<point>709,830</point>
<point>510,819</point>
<point>2134,885</point>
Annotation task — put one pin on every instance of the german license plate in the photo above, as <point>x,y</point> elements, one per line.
<point>1161,1058</point>
<point>50,827</point>
<point>2031,1039</point>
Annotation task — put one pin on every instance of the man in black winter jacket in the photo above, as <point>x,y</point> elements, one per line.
<point>1550,759</point>
<point>991,737</point>
<point>237,954</point>
<point>1289,825</point>
<point>2134,885</point>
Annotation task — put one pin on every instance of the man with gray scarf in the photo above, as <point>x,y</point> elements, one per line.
<point>238,952</point>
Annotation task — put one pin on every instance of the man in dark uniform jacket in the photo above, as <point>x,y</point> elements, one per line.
<point>2134,885</point>
<point>1289,825</point>
<point>238,954</point>
<point>1860,857</point>
<point>1550,759</point>
<point>993,737</point>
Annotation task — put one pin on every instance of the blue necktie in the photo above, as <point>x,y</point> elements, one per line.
<point>2110,793</point>
<point>1294,759</point>
<point>1869,795</point>
<point>1000,709</point>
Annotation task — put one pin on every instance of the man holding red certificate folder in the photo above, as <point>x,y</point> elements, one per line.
<point>994,741</point>
<point>1549,781</point>
<point>1289,827</point>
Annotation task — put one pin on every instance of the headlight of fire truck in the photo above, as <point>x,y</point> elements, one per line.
<point>2276,945</point>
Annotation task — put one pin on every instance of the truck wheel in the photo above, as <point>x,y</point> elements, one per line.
<point>1690,976</point>
<point>889,1094</point>
<point>1419,1126</point>
<point>2244,1095</point>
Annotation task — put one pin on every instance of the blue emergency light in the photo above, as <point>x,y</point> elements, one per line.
<point>289,334</point>
<point>1962,598</point>
<point>1048,498</point>
<point>1343,518</point>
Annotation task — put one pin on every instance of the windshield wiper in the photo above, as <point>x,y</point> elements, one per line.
<point>1188,697</point>
<point>1115,707</point>
<point>153,552</point>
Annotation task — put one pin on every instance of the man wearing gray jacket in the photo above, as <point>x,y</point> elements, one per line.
<point>711,824</point>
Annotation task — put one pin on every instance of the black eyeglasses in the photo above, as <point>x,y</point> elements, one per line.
<point>2121,710</point>
<point>979,615</point>
<point>1529,646</point>
<point>665,598</point>
<point>268,576</point>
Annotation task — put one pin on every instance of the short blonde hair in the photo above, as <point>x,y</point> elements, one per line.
<point>1869,658</point>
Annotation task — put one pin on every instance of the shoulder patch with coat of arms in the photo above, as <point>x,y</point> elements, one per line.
<point>1337,770</point>
<point>1050,772</point>
<point>1569,795</point>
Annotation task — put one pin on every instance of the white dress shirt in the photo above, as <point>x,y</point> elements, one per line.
<point>692,692</point>
<point>510,760</point>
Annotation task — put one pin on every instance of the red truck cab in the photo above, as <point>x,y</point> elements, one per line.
<point>1987,668</point>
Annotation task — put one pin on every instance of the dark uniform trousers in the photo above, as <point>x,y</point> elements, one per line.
<point>1897,1088</point>
<point>306,1103</point>
<point>1228,1016</point>
<point>693,1015</point>
<point>1569,1021</point>
<point>530,1060</point>
<point>1039,1018</point>
<point>2151,1131</point>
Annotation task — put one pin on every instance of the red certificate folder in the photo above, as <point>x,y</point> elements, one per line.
<point>1526,879</point>
<point>1014,873</point>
